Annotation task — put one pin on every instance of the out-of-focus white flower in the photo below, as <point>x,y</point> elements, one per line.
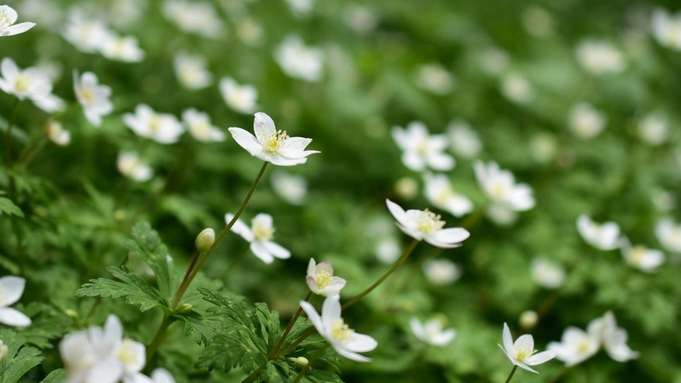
<point>249,31</point>
<point>501,215</point>
<point>521,353</point>
<point>57,134</point>
<point>45,13</point>
<point>666,29</point>
<point>586,122</point>
<point>360,18</point>
<point>406,187</point>
<point>8,16</point>
<point>613,338</point>
<point>426,225</point>
<point>463,140</point>
<point>51,103</point>
<point>101,355</point>
<point>544,147</point>
<point>290,187</point>
<point>272,145</point>
<point>11,289</point>
<point>605,236</point>
<point>640,257</point>
<point>125,13</point>
<point>420,149</point>
<point>300,8</point>
<point>260,236</point>
<point>298,60</point>
<point>663,200</point>
<point>191,71</point>
<point>669,234</point>
<point>546,273</point>
<point>495,61</point>
<point>159,375</point>
<point>94,98</point>
<point>321,281</point>
<point>440,193</point>
<point>121,48</point>
<point>577,345</point>
<point>538,22</point>
<point>501,188</point>
<point>199,126</point>
<point>435,79</point>
<point>387,250</point>
<point>528,319</point>
<point>53,68</point>
<point>86,34</point>
<point>132,166</point>
<point>653,129</point>
<point>431,332</point>
<point>441,271</point>
<point>30,83</point>
<point>331,327</point>
<point>517,89</point>
<point>160,127</point>
<point>198,17</point>
<point>599,57</point>
<point>241,98</point>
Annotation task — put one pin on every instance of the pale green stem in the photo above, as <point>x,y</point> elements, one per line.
<point>512,372</point>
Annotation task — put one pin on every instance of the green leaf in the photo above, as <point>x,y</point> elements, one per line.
<point>147,245</point>
<point>8,207</point>
<point>135,289</point>
<point>12,369</point>
<point>56,376</point>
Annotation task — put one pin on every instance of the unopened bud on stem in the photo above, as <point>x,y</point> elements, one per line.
<point>205,240</point>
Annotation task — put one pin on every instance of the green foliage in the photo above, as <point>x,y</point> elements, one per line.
<point>8,207</point>
<point>56,376</point>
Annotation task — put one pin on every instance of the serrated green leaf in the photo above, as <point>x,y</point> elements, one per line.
<point>12,369</point>
<point>56,376</point>
<point>147,245</point>
<point>8,207</point>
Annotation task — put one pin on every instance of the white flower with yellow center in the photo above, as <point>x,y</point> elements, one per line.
<point>299,61</point>
<point>576,345</point>
<point>522,352</point>
<point>94,98</point>
<point>292,188</point>
<point>199,126</point>
<point>669,234</point>
<point>121,48</point>
<point>8,16</point>
<point>191,71</point>
<point>426,225</point>
<point>599,57</point>
<point>666,29</point>
<point>435,79</point>
<point>86,34</point>
<point>585,121</point>
<point>431,332</point>
<point>11,289</point>
<point>420,149</point>
<point>272,145</point>
<point>198,17</point>
<point>653,129</point>
<point>331,327</point>
<point>160,127</point>
<point>605,236</point>
<point>32,83</point>
<point>463,140</point>
<point>640,257</point>
<point>613,338</point>
<point>57,134</point>
<point>517,88</point>
<point>132,166</point>
<point>241,98</point>
<point>501,188</point>
<point>260,236</point>
<point>320,279</point>
<point>440,193</point>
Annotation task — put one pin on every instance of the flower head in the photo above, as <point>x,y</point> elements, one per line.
<point>605,236</point>
<point>420,149</point>
<point>331,327</point>
<point>299,61</point>
<point>11,289</point>
<point>260,236</point>
<point>669,234</point>
<point>86,34</point>
<point>441,271</point>
<point>94,98</point>
<point>198,17</point>
<point>440,193</point>
<point>435,79</point>
<point>576,345</point>
<point>426,225</point>
<point>653,129</point>
<point>641,257</point>
<point>501,187</point>
<point>241,98</point>
<point>613,338</point>
<point>599,57</point>
<point>8,16</point>
<point>159,375</point>
<point>463,140</point>
<point>160,127</point>
<point>200,127</point>
<point>121,48</point>
<point>290,187</point>
<point>522,352</point>
<point>320,279</point>
<point>517,88</point>
<point>431,332</point>
<point>191,71</point>
<point>546,273</point>
<point>585,121</point>
<point>272,145</point>
<point>132,166</point>
<point>57,134</point>
<point>666,29</point>
<point>32,83</point>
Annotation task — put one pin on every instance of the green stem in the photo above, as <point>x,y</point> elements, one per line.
<point>314,359</point>
<point>192,264</point>
<point>512,372</point>
<point>8,135</point>
<point>236,263</point>
<point>276,348</point>
<point>253,376</point>
<point>158,338</point>
<point>474,218</point>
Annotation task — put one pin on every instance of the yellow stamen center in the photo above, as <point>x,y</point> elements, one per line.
<point>22,82</point>
<point>262,232</point>
<point>154,123</point>
<point>523,352</point>
<point>636,255</point>
<point>273,142</point>
<point>429,222</point>
<point>5,21</point>
<point>340,331</point>
<point>583,347</point>
<point>87,96</point>
<point>322,279</point>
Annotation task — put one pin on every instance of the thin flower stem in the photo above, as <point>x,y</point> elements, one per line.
<point>158,338</point>
<point>236,263</point>
<point>277,347</point>
<point>192,264</point>
<point>301,338</point>
<point>94,306</point>
<point>512,372</point>
<point>253,376</point>
<point>314,359</point>
<point>8,135</point>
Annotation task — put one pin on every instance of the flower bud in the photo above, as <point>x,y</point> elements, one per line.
<point>71,314</point>
<point>302,361</point>
<point>184,308</point>
<point>3,351</point>
<point>406,187</point>
<point>528,319</point>
<point>205,239</point>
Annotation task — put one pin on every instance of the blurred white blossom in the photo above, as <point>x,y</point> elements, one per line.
<point>46,13</point>
<point>132,166</point>
<point>435,79</point>
<point>653,129</point>
<point>87,34</point>
<point>298,60</point>
<point>439,192</point>
<point>260,235</point>
<point>546,273</point>
<point>517,88</point>
<point>406,187</point>
<point>538,22</point>
<point>199,126</point>
<point>420,149</point>
<point>11,290</point>
<point>57,134</point>
<point>441,271</point>
<point>290,187</point>
<point>431,332</point>
<point>494,60</point>
<point>198,17</point>
<point>121,48</point>
<point>577,345</point>
<point>641,257</point>
<point>360,18</point>
<point>501,187</point>
<point>160,127</point>
<point>613,338</point>
<point>241,98</point>
<point>668,233</point>
<point>51,103</point>
<point>300,8</point>
<point>666,28</point>
<point>191,71</point>
<point>599,57</point>
<point>463,140</point>
<point>586,122</point>
<point>500,215</point>
<point>388,250</point>
<point>605,236</point>
<point>249,31</point>
<point>32,83</point>
<point>544,147</point>
<point>93,97</point>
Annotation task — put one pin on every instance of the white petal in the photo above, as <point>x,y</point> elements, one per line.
<point>524,341</point>
<point>397,212</point>
<point>113,330</point>
<point>311,267</point>
<point>507,338</point>
<point>331,310</point>
<point>349,354</point>
<point>540,358</point>
<point>361,343</point>
<point>263,126</point>
<point>314,317</point>
<point>247,141</point>
<point>161,375</point>
<point>276,250</point>
<point>109,370</point>
<point>452,235</point>
<point>261,252</point>
<point>18,28</point>
<point>240,227</point>
<point>418,329</point>
<point>12,317</point>
<point>11,289</point>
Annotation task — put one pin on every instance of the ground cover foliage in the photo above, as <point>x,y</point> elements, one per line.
<point>578,100</point>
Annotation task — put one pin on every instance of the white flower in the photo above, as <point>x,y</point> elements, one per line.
<point>420,149</point>
<point>30,83</point>
<point>57,134</point>
<point>299,61</point>
<point>159,375</point>
<point>406,187</point>
<point>544,147</point>
<point>441,271</point>
<point>431,332</point>
<point>45,13</point>
<point>669,234</point>
<point>440,193</point>
<point>94,98</point>
<point>300,8</point>
<point>577,345</point>
<point>653,129</point>
<point>101,355</point>
<point>613,338</point>
<point>640,257</point>
<point>241,98</point>
<point>666,29</point>
<point>463,140</point>
<point>426,225</point>
<point>599,57</point>
<point>162,128</point>
<point>199,126</point>
<point>87,35</point>
<point>360,18</point>
<point>272,145</point>
<point>494,60</point>
<point>605,236</point>
<point>11,289</point>
<point>292,188</point>
<point>260,236</point>
<point>387,250</point>
<point>435,79</point>
<point>130,165</point>
<point>198,17</point>
<point>123,14</point>
<point>586,122</point>
<point>546,273</point>
<point>521,352</point>
<point>121,48</point>
<point>8,16</point>
<point>191,71</point>
<point>331,327</point>
<point>500,215</point>
<point>500,186</point>
<point>249,31</point>
<point>50,103</point>
<point>516,88</point>
<point>321,281</point>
